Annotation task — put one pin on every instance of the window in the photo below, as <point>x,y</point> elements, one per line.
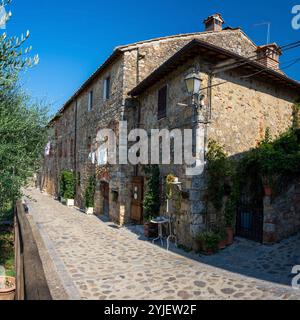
<point>71,147</point>
<point>162,102</point>
<point>90,101</point>
<point>106,89</point>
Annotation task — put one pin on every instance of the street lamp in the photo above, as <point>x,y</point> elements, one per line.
<point>193,83</point>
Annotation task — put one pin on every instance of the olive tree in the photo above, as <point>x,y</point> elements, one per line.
<point>23,122</point>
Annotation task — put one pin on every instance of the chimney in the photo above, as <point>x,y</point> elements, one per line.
<point>268,55</point>
<point>214,23</point>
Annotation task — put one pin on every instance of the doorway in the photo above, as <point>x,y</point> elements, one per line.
<point>136,214</point>
<point>105,195</point>
<point>250,213</point>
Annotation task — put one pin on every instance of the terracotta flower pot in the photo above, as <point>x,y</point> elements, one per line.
<point>207,251</point>
<point>268,191</point>
<point>230,237</point>
<point>150,230</point>
<point>222,244</point>
<point>7,288</point>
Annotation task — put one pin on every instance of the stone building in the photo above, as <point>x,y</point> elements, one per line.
<point>244,92</point>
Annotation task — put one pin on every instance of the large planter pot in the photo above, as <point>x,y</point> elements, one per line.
<point>230,236</point>
<point>150,230</point>
<point>197,246</point>
<point>222,244</point>
<point>7,288</point>
<point>208,251</point>
<point>89,211</point>
<point>268,191</point>
<point>70,202</point>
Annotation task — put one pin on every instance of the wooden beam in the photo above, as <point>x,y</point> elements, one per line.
<point>34,282</point>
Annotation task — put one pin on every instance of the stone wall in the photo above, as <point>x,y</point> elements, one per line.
<point>253,104</point>
<point>143,58</point>
<point>241,112</point>
<point>282,212</point>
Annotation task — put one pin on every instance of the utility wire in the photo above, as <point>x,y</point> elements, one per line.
<point>277,69</point>
<point>251,75</point>
<point>246,60</point>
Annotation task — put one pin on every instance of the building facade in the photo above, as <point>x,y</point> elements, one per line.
<point>244,92</point>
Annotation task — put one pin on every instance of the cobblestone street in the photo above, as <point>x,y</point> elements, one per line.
<point>86,258</point>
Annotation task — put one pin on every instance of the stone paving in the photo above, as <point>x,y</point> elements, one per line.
<point>97,260</point>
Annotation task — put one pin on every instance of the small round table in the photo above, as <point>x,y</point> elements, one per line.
<point>160,222</point>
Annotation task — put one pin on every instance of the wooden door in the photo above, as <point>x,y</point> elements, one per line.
<point>137,199</point>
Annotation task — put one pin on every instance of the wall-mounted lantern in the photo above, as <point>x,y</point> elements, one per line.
<point>193,83</point>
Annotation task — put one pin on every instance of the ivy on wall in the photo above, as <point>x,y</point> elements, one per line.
<point>151,202</point>
<point>67,184</point>
<point>90,192</point>
<point>271,160</point>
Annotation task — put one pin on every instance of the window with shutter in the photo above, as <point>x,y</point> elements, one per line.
<point>106,89</point>
<point>91,102</point>
<point>162,102</point>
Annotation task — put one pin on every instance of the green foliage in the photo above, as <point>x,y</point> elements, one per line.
<point>23,136</point>
<point>230,210</point>
<point>22,123</point>
<point>296,116</point>
<point>7,251</point>
<point>219,171</point>
<point>151,202</point>
<point>209,240</point>
<point>273,158</point>
<point>173,192</point>
<point>13,56</point>
<point>169,190</point>
<point>67,183</point>
<point>90,192</point>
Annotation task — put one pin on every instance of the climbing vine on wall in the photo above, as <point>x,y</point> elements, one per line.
<point>151,202</point>
<point>271,160</point>
<point>219,173</point>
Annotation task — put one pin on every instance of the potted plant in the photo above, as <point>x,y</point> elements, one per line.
<point>267,184</point>
<point>151,203</point>
<point>7,288</point>
<point>209,242</point>
<point>90,195</point>
<point>150,229</point>
<point>67,187</point>
<point>230,213</point>
<point>223,238</point>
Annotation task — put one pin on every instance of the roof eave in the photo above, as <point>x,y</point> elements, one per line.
<point>115,55</point>
<point>160,71</point>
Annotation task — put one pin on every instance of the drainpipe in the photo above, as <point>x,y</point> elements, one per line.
<point>137,66</point>
<point>137,102</point>
<point>75,139</point>
<point>75,145</point>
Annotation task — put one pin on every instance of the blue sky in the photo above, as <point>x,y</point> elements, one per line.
<point>74,37</point>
